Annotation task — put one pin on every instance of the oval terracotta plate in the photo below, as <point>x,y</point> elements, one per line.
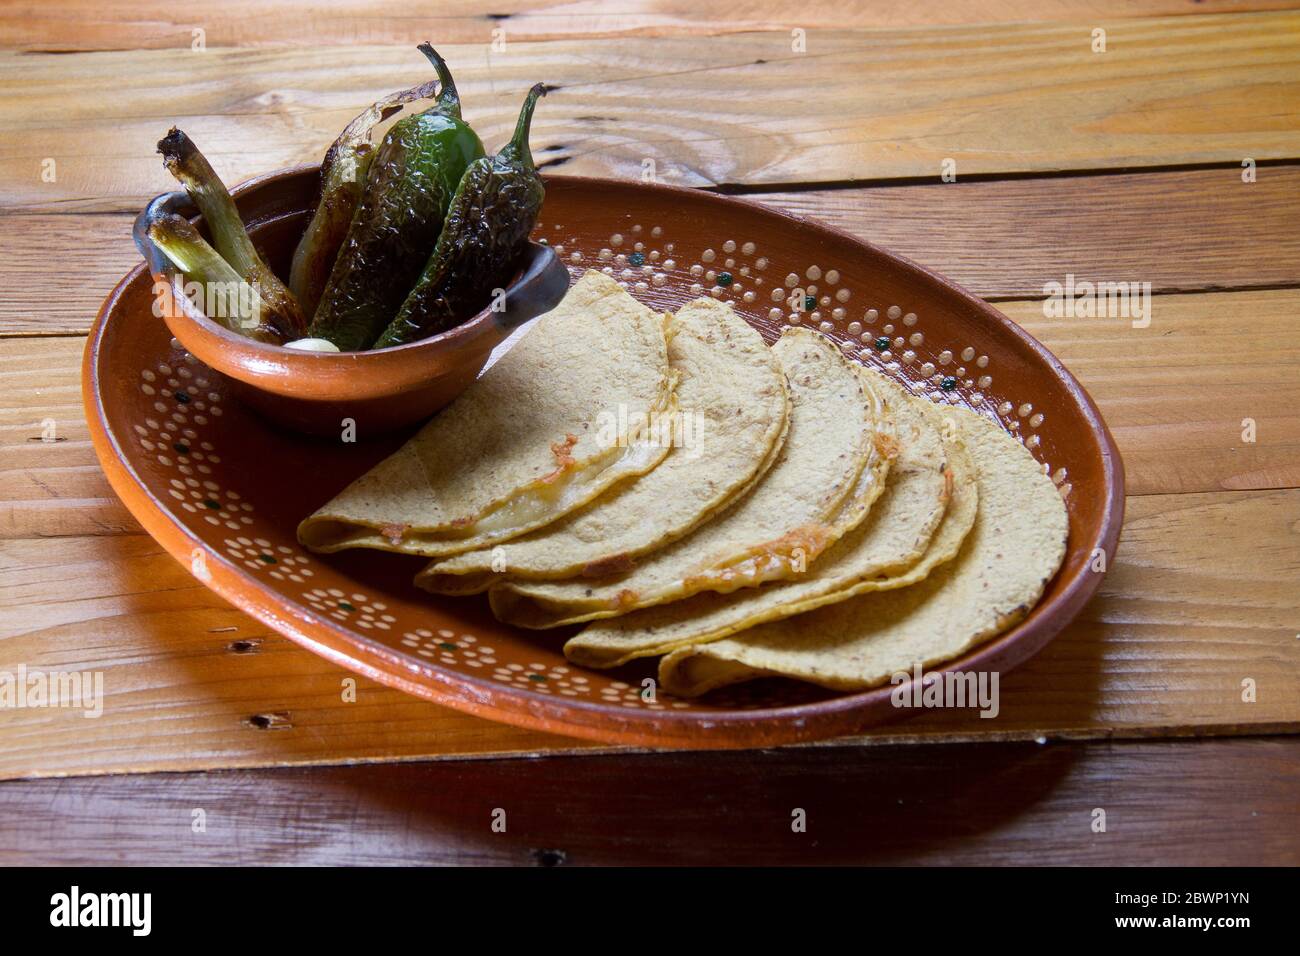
<point>223,490</point>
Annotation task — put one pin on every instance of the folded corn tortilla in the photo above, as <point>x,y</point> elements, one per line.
<point>786,521</point>
<point>1013,550</point>
<point>733,409</point>
<point>523,445</point>
<point>928,474</point>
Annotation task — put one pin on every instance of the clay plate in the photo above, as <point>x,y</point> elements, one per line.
<point>223,490</point>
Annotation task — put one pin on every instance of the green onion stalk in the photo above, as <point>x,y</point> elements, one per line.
<point>184,161</point>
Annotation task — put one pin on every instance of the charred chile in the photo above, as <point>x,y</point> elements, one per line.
<point>342,180</point>
<point>494,210</point>
<point>408,188</point>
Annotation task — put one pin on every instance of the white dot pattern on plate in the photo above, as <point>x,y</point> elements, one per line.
<point>277,561</point>
<point>450,647</point>
<point>631,696</point>
<point>558,679</point>
<point>353,607</point>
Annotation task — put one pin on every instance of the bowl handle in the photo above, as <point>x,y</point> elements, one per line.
<point>540,287</point>
<point>179,203</point>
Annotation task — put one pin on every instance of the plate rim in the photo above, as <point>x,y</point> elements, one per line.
<point>608,723</point>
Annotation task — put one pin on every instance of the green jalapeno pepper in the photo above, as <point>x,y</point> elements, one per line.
<point>494,210</point>
<point>408,188</point>
<point>342,179</point>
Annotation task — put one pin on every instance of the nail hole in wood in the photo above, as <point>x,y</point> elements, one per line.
<point>549,857</point>
<point>275,721</point>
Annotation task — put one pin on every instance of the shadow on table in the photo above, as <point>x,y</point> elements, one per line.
<point>861,803</point>
<point>830,804</point>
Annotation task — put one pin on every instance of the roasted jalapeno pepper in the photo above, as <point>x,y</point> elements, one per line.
<point>408,188</point>
<point>494,210</point>
<point>342,179</point>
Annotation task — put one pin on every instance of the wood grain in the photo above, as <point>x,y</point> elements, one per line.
<point>1182,231</point>
<point>50,481</point>
<point>1180,395</point>
<point>93,253</point>
<point>1200,596</point>
<point>87,25</point>
<point>893,102</point>
<point>989,804</point>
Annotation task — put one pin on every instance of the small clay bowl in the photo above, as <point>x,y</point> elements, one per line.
<point>318,392</point>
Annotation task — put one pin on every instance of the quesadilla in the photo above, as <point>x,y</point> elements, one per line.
<point>837,431</point>
<point>1013,550</point>
<point>523,445</point>
<point>733,409</point>
<point>930,481</point>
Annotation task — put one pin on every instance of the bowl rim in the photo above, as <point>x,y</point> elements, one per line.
<point>844,713</point>
<point>482,321</point>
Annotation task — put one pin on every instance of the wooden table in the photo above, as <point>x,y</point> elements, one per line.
<point>1173,157</point>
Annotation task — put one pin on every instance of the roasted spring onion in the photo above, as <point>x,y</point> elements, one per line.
<point>408,188</point>
<point>226,297</point>
<point>494,210</point>
<point>184,161</point>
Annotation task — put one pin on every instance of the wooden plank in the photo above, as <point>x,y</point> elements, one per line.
<point>1182,395</point>
<point>1181,803</point>
<point>50,481</point>
<point>92,253</point>
<point>1182,231</point>
<point>875,104</point>
<point>253,697</point>
<point>88,25</point>
<point>1176,395</point>
<point>1201,595</point>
